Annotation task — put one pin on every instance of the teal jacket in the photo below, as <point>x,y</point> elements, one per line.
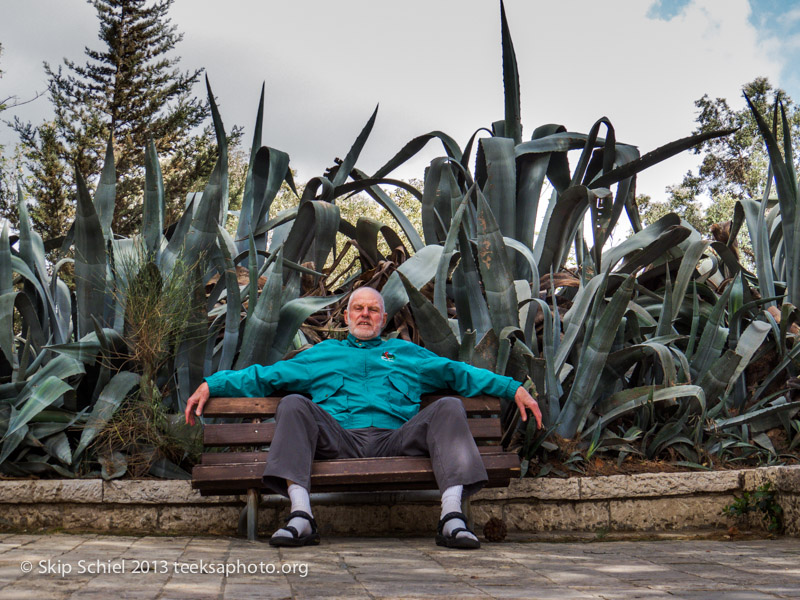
<point>373,383</point>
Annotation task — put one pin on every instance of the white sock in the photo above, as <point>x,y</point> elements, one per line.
<point>451,502</point>
<point>298,495</point>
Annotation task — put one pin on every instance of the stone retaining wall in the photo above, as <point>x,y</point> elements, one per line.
<point>619,503</point>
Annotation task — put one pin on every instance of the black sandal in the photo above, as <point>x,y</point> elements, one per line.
<point>296,539</point>
<point>452,540</point>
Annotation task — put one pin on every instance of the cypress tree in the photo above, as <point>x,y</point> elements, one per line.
<point>131,89</point>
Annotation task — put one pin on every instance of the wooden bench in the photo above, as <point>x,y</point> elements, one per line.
<point>229,467</point>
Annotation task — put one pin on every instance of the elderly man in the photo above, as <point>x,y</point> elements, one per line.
<point>363,401</point>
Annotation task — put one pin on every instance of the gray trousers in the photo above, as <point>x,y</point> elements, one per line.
<point>304,432</point>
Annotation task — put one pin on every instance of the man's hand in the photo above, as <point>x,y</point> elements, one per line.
<point>198,399</point>
<point>525,401</point>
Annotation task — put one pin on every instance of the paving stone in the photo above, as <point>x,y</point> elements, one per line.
<point>409,568</point>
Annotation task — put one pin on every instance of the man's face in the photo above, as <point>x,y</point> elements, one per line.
<point>365,317</point>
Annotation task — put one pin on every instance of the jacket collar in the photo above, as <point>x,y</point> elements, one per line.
<point>357,343</point>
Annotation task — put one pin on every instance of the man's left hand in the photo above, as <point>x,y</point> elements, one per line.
<point>525,401</point>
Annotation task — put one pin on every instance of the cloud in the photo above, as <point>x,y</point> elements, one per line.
<point>437,65</point>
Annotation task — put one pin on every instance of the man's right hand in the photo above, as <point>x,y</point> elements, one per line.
<point>196,402</point>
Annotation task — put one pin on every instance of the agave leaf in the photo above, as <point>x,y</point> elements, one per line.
<point>414,146</point>
<point>6,269</point>
<point>106,193</point>
<point>153,207</point>
<point>513,123</point>
<point>12,440</point>
<point>90,260</point>
<point>178,239</point>
<point>113,466</point>
<point>48,391</point>
<point>260,328</point>
<point>270,169</point>
<point>500,185</point>
<point>787,198</point>
<point>435,331</point>
<point>352,156</point>
<point>642,396</point>
<point>292,315</point>
<point>440,194</point>
<point>218,186</point>
<point>190,357</point>
<point>576,316</point>
<point>665,317</point>
<point>656,156</point>
<point>787,359</point>
<point>592,361</point>
<point>419,269</point>
<point>526,254</point>
<point>56,446</point>
<point>755,415</point>
<point>201,233</point>
<point>532,171</point>
<point>31,247</point>
<point>386,202</point>
<point>471,310</point>
<point>721,374</point>
<point>167,469</point>
<point>552,387</point>
<point>555,139</point>
<point>754,213</point>
<point>560,225</point>
<point>498,282</point>
<point>317,222</point>
<point>110,399</point>
<point>7,301</point>
<point>639,240</point>
<point>685,271</point>
<point>367,239</point>
<point>580,174</point>
<point>233,309</point>
<point>712,340</point>
<point>655,250</point>
<point>88,348</point>
<point>440,281</point>
<point>245,224</point>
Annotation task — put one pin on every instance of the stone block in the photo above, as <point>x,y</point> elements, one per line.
<point>20,491</point>
<point>197,520</point>
<point>413,518</point>
<point>31,517</point>
<point>350,520</point>
<point>644,514</point>
<point>752,479</point>
<point>787,479</point>
<point>552,516</point>
<point>540,488</point>
<point>155,491</point>
<point>658,484</point>
<point>790,503</point>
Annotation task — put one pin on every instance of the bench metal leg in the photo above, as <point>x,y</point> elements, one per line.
<point>253,497</point>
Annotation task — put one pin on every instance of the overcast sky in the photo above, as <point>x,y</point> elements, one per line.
<point>436,64</point>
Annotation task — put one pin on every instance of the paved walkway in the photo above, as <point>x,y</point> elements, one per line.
<point>45,567</point>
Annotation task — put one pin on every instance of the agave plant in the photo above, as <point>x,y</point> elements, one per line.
<point>632,348</point>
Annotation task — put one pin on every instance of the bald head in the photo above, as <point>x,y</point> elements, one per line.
<point>366,314</point>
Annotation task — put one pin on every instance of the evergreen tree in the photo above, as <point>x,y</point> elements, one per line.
<point>130,90</point>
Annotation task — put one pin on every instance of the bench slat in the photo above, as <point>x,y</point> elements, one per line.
<point>227,458</point>
<point>265,407</point>
<point>383,473</point>
<point>255,434</point>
